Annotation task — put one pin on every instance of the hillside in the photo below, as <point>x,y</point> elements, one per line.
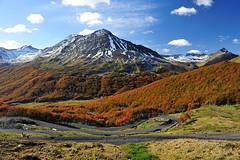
<point>216,84</point>
<point>236,60</point>
<point>28,83</point>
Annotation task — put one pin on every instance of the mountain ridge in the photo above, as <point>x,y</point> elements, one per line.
<point>101,43</point>
<point>102,52</point>
<point>219,56</point>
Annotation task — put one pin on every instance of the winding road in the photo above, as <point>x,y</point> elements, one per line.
<point>115,135</point>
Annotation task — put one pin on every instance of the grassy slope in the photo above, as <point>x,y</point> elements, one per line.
<point>211,119</point>
<point>195,149</point>
<point>236,60</point>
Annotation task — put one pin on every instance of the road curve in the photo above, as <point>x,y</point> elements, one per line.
<point>117,135</point>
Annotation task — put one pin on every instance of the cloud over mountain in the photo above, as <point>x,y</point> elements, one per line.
<point>183,11</point>
<point>179,43</point>
<point>90,18</point>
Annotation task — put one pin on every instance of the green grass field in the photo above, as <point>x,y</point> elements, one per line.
<point>210,119</point>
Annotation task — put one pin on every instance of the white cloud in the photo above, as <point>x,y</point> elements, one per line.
<point>10,44</point>
<point>17,28</point>
<point>35,29</point>
<point>89,3</point>
<point>35,18</point>
<point>236,41</point>
<point>148,32</point>
<point>194,52</point>
<point>165,50</point>
<point>150,19</point>
<point>183,11</point>
<point>179,43</point>
<point>1,29</point>
<point>86,32</point>
<point>90,18</point>
<point>206,3</point>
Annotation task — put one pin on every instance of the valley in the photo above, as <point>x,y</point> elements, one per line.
<point>98,96</point>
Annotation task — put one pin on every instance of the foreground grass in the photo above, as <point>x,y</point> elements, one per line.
<point>137,151</point>
<point>25,150</point>
<point>195,149</point>
<point>164,150</point>
<point>210,119</point>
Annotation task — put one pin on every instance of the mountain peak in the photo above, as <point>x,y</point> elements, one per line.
<point>27,47</point>
<point>224,50</point>
<point>102,32</point>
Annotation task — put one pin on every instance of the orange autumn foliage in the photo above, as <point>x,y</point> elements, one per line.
<point>215,85</point>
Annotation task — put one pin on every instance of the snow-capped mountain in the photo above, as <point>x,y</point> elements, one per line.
<point>101,53</point>
<point>202,58</point>
<point>20,55</point>
<point>99,46</point>
<point>189,57</point>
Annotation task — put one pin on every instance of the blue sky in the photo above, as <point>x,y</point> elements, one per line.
<point>167,26</point>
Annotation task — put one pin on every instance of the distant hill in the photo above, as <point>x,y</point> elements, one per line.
<point>220,56</point>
